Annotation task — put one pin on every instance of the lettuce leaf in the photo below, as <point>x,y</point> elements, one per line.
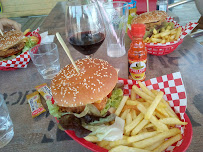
<point>89,109</point>
<point>29,44</point>
<point>109,133</point>
<point>71,122</point>
<point>102,120</point>
<point>53,109</point>
<point>114,100</point>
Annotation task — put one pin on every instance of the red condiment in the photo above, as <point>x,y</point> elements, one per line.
<point>137,54</point>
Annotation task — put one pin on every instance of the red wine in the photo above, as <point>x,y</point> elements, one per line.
<point>87,42</point>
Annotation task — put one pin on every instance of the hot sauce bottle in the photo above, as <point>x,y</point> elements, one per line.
<point>137,54</point>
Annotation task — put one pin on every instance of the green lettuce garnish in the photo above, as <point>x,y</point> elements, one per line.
<point>89,109</point>
<point>114,100</point>
<point>109,118</point>
<point>53,109</point>
<point>29,44</point>
<point>109,133</point>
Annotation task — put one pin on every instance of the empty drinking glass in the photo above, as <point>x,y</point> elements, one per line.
<point>115,15</point>
<point>46,59</point>
<point>6,125</point>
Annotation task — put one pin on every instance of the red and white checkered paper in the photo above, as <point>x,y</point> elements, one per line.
<point>22,60</point>
<point>174,92</point>
<point>187,29</point>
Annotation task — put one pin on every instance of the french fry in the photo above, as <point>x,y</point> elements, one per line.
<point>157,35</point>
<point>140,100</point>
<point>124,114</point>
<point>26,31</point>
<point>139,127</point>
<point>132,102</point>
<point>118,142</point>
<point>162,111</point>
<point>172,121</point>
<point>148,92</point>
<point>165,33</point>
<point>149,125</point>
<point>169,110</point>
<point>121,105</point>
<point>133,114</point>
<point>161,136</point>
<point>153,106</point>
<point>145,89</point>
<point>155,31</point>
<point>155,145</point>
<point>142,136</point>
<point>160,126</point>
<point>146,104</point>
<point>167,143</point>
<point>91,138</point>
<point>103,143</point>
<point>178,33</point>
<point>159,115</point>
<point>155,40</point>
<point>133,95</point>
<point>129,107</point>
<point>134,123</point>
<point>127,149</point>
<point>128,118</point>
<point>108,147</point>
<point>163,41</point>
<point>141,94</point>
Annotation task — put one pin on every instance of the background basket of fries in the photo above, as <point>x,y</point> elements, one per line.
<point>167,39</point>
<point>21,60</point>
<point>155,119</point>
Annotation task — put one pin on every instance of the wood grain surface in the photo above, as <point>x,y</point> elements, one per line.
<point>41,134</point>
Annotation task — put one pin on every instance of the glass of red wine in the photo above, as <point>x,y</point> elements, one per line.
<point>85,29</point>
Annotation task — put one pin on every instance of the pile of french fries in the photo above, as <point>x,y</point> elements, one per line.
<point>165,35</point>
<point>149,121</point>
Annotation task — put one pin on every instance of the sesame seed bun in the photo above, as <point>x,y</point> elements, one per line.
<point>149,17</point>
<point>10,39</point>
<point>96,80</point>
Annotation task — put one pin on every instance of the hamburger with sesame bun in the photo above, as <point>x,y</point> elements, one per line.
<point>152,20</point>
<point>11,43</point>
<point>84,98</point>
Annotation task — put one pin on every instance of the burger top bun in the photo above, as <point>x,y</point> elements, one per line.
<point>96,80</point>
<point>10,39</point>
<point>148,17</point>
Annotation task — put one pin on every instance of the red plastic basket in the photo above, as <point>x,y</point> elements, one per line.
<point>159,50</point>
<point>162,50</point>
<point>14,68</point>
<point>187,136</point>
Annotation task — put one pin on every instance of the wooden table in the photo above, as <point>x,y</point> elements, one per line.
<point>41,134</point>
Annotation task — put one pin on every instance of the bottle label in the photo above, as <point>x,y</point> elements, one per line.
<point>137,70</point>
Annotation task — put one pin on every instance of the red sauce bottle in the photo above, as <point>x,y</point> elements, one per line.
<point>137,54</point>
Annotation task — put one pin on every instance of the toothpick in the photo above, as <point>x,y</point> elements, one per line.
<point>147,5</point>
<point>66,50</point>
<point>1,32</point>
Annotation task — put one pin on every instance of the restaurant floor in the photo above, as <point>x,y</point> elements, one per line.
<point>186,12</point>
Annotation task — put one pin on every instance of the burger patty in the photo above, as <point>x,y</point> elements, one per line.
<point>11,51</point>
<point>79,109</point>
